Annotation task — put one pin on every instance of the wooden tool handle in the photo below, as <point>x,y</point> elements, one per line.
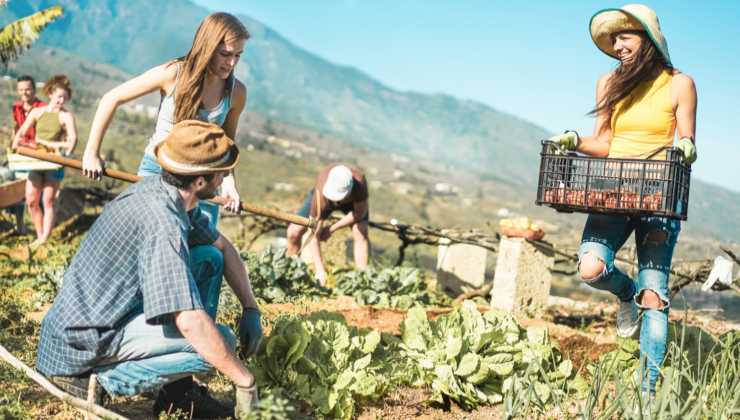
<point>125,176</point>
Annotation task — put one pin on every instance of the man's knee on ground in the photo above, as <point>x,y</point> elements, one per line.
<point>650,299</point>
<point>591,267</point>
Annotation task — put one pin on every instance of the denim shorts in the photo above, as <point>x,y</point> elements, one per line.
<point>56,175</point>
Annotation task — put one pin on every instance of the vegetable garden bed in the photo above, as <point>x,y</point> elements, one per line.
<point>426,362</point>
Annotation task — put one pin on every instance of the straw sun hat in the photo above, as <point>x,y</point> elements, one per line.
<point>632,17</point>
<point>197,148</point>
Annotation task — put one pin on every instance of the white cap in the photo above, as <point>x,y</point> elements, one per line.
<point>338,183</point>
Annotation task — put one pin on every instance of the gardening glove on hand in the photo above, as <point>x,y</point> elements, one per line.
<point>250,331</point>
<point>687,147</point>
<point>568,140</point>
<point>246,401</point>
<point>324,233</point>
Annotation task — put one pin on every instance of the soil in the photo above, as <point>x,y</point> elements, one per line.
<point>411,403</point>
<point>581,350</point>
<point>382,319</point>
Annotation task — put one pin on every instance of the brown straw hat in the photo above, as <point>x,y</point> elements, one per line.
<point>635,17</point>
<point>196,148</point>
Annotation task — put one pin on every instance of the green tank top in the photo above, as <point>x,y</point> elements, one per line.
<point>48,127</point>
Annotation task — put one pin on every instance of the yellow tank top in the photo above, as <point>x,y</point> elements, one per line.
<point>644,121</point>
<point>48,127</point>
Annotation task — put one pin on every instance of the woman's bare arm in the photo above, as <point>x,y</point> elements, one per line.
<point>70,128</point>
<point>160,78</point>
<point>239,100</point>
<point>685,98</point>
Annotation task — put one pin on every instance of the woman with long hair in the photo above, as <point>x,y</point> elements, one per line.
<point>55,132</point>
<point>200,85</point>
<point>641,106</point>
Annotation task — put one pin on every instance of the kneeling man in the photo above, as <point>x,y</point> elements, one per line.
<point>338,187</point>
<point>139,299</point>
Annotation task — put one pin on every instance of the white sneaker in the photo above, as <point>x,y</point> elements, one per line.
<point>627,318</point>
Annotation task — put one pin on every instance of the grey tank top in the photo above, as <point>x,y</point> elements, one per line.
<point>166,114</point>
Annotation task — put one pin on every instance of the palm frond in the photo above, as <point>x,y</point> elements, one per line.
<point>20,34</point>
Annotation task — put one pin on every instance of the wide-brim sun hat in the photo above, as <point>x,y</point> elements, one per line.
<point>631,17</point>
<point>197,148</point>
<point>338,184</point>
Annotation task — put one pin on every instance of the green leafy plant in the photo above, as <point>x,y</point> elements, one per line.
<point>277,278</point>
<point>472,358</point>
<point>272,406</point>
<point>397,287</point>
<point>13,310</point>
<point>694,344</point>
<point>709,390</point>
<point>20,34</point>
<point>322,361</point>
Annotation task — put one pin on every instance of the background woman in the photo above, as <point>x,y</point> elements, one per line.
<point>640,106</point>
<point>55,133</point>
<point>200,85</point>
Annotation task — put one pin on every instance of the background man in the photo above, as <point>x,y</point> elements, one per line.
<point>26,89</point>
<point>338,187</point>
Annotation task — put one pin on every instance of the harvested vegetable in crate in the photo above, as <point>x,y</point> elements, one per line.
<point>571,182</point>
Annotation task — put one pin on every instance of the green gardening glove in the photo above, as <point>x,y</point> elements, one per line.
<point>687,147</point>
<point>567,141</point>
<point>250,331</point>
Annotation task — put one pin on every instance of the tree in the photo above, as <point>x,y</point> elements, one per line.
<point>20,34</point>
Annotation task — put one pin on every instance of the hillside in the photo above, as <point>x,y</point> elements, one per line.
<point>402,188</point>
<point>472,142</point>
<point>291,84</point>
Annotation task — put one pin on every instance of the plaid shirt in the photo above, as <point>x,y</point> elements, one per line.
<point>133,260</point>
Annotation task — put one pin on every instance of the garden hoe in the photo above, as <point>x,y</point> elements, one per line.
<point>125,176</point>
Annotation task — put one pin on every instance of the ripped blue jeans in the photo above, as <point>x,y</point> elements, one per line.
<point>656,239</point>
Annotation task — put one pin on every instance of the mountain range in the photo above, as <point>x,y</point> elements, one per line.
<point>290,84</point>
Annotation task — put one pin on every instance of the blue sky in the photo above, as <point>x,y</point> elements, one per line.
<point>534,59</point>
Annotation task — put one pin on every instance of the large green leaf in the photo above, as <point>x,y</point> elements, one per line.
<point>371,341</point>
<point>453,347</point>
<point>322,361</point>
<point>416,329</point>
<point>469,364</point>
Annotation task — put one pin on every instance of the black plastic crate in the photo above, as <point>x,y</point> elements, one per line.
<point>570,182</point>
